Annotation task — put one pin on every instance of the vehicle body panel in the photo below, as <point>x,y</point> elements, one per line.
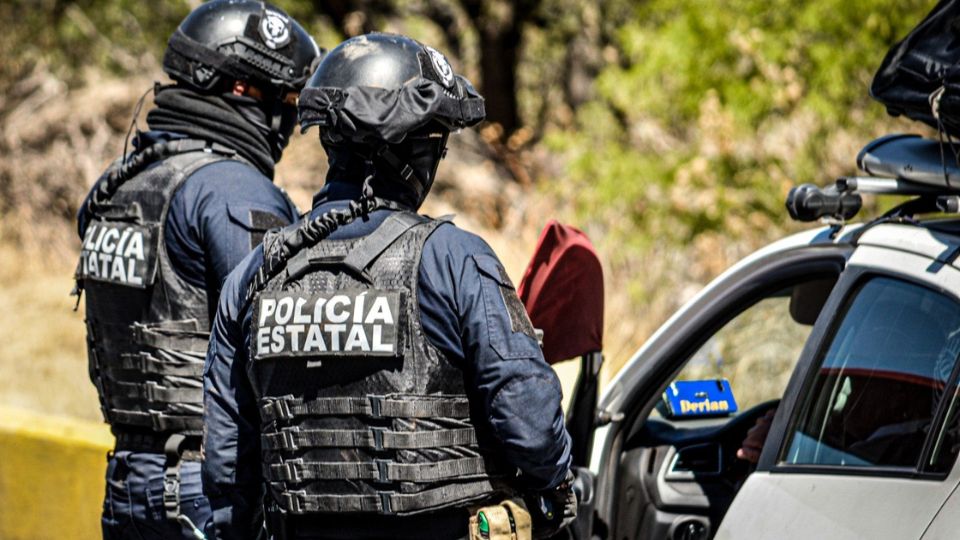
<point>786,506</point>
<point>783,502</point>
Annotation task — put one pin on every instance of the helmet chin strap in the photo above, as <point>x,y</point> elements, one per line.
<point>404,170</point>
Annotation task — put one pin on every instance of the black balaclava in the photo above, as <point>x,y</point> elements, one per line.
<point>422,150</point>
<point>257,130</point>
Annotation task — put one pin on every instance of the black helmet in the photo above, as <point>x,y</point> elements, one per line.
<point>380,87</point>
<point>241,40</point>
<point>392,101</point>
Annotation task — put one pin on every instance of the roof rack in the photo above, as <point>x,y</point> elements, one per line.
<point>896,165</point>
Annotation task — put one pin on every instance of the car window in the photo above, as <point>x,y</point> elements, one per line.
<point>756,352</point>
<point>878,386</point>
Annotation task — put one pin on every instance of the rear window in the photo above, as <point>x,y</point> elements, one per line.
<point>882,383</point>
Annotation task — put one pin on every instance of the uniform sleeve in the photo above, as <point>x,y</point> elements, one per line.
<point>217,216</point>
<point>470,310</point>
<point>231,437</point>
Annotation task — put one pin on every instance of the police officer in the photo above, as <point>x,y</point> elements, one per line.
<point>162,228</point>
<point>374,368</point>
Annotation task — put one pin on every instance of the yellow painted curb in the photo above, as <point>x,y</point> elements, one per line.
<point>51,475</point>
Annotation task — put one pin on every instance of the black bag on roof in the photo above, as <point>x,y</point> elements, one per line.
<point>920,76</point>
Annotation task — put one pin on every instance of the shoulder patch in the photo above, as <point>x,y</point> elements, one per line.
<point>359,323</point>
<point>120,253</point>
<point>262,221</point>
<point>519,320</point>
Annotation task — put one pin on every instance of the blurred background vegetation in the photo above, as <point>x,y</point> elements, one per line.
<point>669,130</point>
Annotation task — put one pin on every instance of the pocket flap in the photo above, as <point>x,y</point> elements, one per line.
<point>491,267</point>
<point>255,219</point>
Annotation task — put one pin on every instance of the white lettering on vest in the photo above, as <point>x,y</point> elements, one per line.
<point>334,316</point>
<point>380,311</point>
<point>378,344</point>
<point>110,240</point>
<point>335,331</point>
<point>267,307</point>
<point>359,324</point>
<point>298,316</point>
<point>294,330</point>
<point>276,345</point>
<point>284,310</point>
<point>358,309</point>
<point>357,340</point>
<point>117,272</point>
<point>136,246</point>
<point>314,341</point>
<point>263,339</point>
<point>112,252</point>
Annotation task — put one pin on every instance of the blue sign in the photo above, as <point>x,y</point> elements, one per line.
<point>699,398</point>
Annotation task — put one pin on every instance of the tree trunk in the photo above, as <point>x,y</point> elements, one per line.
<point>498,67</point>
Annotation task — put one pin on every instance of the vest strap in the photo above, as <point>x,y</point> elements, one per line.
<point>298,470</point>
<point>144,362</point>
<point>392,228</point>
<point>161,338</point>
<point>289,407</point>
<point>157,421</point>
<point>152,392</point>
<point>291,439</point>
<point>386,502</point>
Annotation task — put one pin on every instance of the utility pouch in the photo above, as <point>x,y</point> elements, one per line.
<point>508,520</point>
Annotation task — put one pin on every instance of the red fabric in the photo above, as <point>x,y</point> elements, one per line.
<point>562,290</point>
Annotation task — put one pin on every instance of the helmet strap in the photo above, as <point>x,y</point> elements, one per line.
<point>403,169</point>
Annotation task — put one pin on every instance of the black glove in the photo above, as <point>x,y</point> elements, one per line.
<point>553,510</point>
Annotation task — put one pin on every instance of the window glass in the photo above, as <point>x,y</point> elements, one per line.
<point>879,383</point>
<point>755,352</point>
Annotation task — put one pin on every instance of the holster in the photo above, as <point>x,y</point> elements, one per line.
<point>508,520</point>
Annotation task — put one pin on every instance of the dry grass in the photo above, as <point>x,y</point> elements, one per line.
<point>43,363</point>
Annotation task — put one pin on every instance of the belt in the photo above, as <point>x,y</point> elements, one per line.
<point>154,443</point>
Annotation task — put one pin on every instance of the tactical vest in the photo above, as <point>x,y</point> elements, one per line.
<point>147,329</point>
<point>360,413</point>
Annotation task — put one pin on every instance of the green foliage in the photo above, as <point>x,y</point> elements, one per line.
<point>712,109</point>
<point>71,35</point>
<point>120,36</point>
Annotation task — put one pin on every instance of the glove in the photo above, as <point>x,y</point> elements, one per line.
<point>553,510</point>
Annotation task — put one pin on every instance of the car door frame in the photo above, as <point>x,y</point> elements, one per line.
<point>874,259</point>
<point>665,353</point>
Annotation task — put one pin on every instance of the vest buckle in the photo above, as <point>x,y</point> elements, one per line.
<point>385,505</point>
<point>377,437</point>
<point>158,421</point>
<point>281,409</point>
<point>376,405</point>
<point>152,391</point>
<point>291,470</point>
<point>294,501</point>
<point>288,439</point>
<point>383,470</point>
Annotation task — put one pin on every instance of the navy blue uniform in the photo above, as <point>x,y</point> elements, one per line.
<point>207,232</point>
<point>505,375</point>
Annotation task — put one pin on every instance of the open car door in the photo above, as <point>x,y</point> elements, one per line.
<point>562,290</point>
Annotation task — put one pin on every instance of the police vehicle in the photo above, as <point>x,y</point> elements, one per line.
<point>850,333</point>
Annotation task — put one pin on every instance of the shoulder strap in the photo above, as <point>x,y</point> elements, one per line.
<point>109,185</point>
<point>371,247</point>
